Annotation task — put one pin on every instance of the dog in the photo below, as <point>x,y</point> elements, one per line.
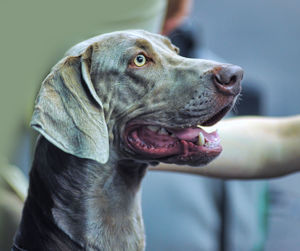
<point>114,105</point>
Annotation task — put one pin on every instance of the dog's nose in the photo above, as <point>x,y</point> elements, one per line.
<point>227,79</point>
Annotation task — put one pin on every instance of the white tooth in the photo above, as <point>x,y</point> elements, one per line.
<point>153,128</point>
<point>173,135</point>
<point>163,131</point>
<point>201,139</point>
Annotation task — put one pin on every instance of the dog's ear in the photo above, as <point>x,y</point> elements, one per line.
<point>68,111</point>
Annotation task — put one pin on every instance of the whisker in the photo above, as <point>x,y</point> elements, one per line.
<point>237,102</point>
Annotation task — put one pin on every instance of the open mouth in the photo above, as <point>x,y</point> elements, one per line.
<point>177,145</point>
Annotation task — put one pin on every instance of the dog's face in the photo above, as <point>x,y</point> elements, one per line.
<point>158,98</point>
<point>154,101</point>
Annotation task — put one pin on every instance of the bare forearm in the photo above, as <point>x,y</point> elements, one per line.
<point>177,10</point>
<point>254,147</point>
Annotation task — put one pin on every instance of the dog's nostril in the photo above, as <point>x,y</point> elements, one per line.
<point>229,75</point>
<point>227,78</point>
<point>223,81</point>
<point>233,79</point>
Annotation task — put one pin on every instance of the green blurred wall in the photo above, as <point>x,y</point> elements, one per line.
<point>34,36</point>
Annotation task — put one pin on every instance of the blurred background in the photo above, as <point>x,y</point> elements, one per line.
<point>261,36</point>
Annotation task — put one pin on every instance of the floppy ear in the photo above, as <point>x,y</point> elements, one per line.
<point>69,113</point>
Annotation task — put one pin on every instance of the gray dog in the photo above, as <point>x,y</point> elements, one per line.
<point>113,105</point>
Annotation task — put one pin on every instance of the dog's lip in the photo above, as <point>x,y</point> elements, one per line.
<point>182,145</point>
<point>217,116</point>
<point>184,148</point>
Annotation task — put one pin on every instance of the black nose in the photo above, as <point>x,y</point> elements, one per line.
<point>227,79</point>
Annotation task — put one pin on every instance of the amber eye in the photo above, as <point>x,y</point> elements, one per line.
<point>140,60</point>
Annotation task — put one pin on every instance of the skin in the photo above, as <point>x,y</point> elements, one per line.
<point>253,148</point>
<point>84,191</point>
<point>177,11</point>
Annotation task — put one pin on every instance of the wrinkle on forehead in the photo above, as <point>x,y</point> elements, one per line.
<point>141,36</point>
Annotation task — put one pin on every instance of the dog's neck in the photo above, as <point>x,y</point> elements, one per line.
<point>78,204</point>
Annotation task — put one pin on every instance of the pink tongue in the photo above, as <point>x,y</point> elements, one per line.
<point>190,134</point>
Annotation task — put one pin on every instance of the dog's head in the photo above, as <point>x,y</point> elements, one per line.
<point>132,90</point>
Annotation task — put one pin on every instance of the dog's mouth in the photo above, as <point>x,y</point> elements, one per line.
<point>189,145</point>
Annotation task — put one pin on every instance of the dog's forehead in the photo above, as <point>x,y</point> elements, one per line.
<point>123,40</point>
<point>140,38</point>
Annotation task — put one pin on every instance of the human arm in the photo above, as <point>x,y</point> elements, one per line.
<point>177,11</point>
<point>253,147</point>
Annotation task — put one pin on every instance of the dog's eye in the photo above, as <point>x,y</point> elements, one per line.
<point>140,60</point>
